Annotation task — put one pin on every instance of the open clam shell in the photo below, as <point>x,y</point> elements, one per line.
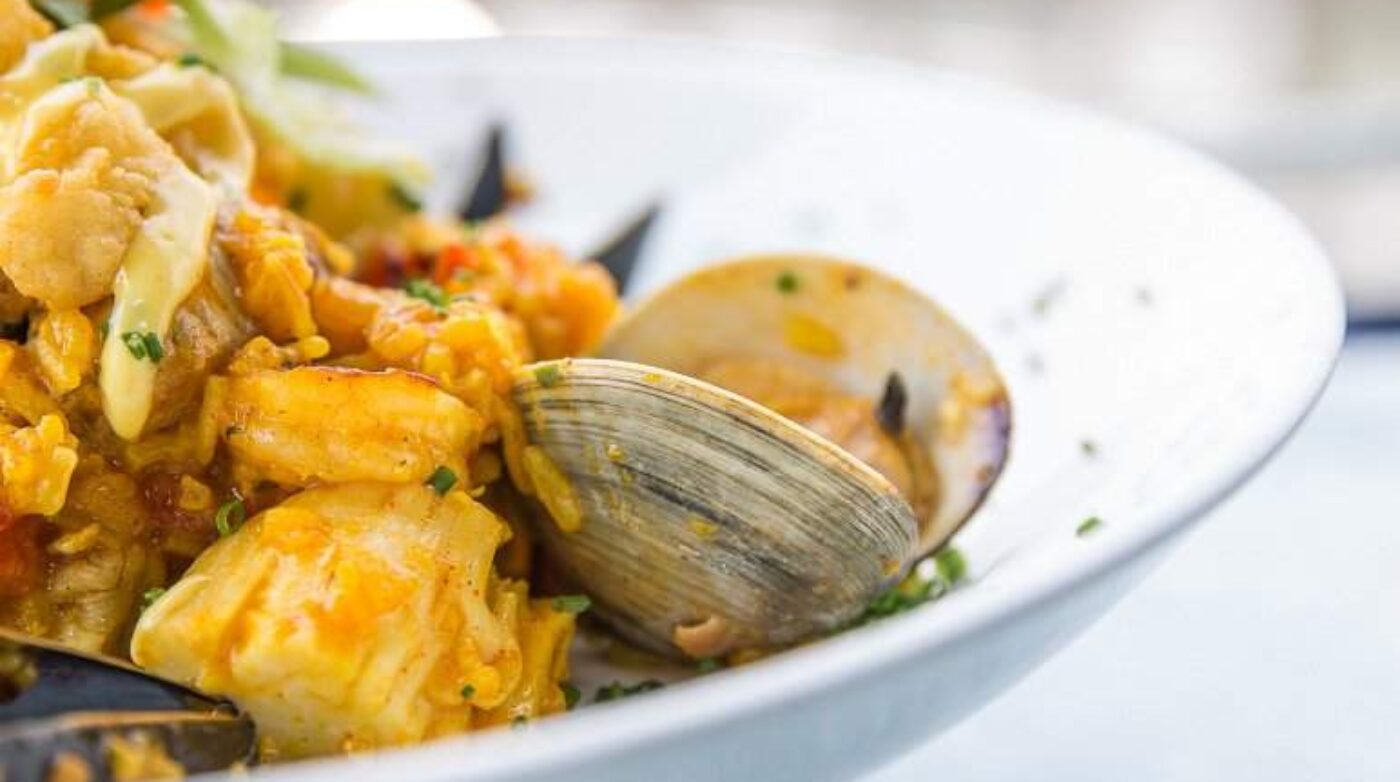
<point>851,327</point>
<point>709,523</point>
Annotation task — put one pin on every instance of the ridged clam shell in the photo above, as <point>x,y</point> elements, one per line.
<point>701,505</point>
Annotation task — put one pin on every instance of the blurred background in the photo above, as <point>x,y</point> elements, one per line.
<point>1267,647</point>
<point>1303,96</point>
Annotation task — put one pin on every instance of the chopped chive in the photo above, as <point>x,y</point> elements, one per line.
<point>572,604</point>
<point>297,199</point>
<point>442,480</point>
<point>404,197</point>
<point>467,692</point>
<point>135,343</point>
<point>1088,525</point>
<point>708,664</point>
<point>571,695</point>
<point>519,722</point>
<point>618,690</point>
<point>548,375</point>
<point>1089,448</point>
<point>150,596</point>
<point>787,282</point>
<point>908,594</point>
<point>104,329</point>
<point>154,349</point>
<point>952,567</point>
<point>229,517</point>
<point>192,60</point>
<point>427,291</point>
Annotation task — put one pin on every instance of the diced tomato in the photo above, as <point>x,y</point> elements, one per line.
<point>154,9</point>
<point>452,259</point>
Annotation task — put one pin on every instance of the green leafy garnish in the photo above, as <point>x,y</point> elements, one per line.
<point>301,62</point>
<point>548,375</point>
<point>229,517</point>
<point>618,690</point>
<point>787,282</point>
<point>951,565</point>
<point>150,596</point>
<point>63,13</point>
<point>572,604</point>
<point>405,198</point>
<point>144,345</point>
<point>519,722</point>
<point>467,692</point>
<point>571,695</point>
<point>427,291</point>
<point>442,480</point>
<point>1088,525</point>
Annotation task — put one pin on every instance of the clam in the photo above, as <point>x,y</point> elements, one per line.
<point>760,449</point>
<point>69,715</point>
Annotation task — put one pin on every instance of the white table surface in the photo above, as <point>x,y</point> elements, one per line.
<point>1267,647</point>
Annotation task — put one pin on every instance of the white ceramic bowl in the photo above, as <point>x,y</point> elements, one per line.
<point>1137,297</point>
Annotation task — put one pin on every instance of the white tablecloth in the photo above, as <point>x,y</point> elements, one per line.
<point>1266,648</point>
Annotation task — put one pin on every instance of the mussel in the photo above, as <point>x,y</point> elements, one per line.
<point>70,715</point>
<point>861,426</point>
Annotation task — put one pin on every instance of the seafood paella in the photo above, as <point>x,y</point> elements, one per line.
<point>271,432</point>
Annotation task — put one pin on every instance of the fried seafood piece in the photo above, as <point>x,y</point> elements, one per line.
<point>85,167</point>
<point>319,424</point>
<point>358,616</point>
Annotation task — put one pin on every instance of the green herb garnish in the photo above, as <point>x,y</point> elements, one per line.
<point>519,722</point>
<point>63,13</point>
<point>1088,525</point>
<point>548,375</point>
<point>572,604</point>
<point>952,567</point>
<point>144,345</point>
<point>787,282</point>
<point>571,695</point>
<point>404,197</point>
<point>467,692</point>
<point>910,593</point>
<point>708,664</point>
<point>618,690</point>
<point>150,596</point>
<point>307,64</point>
<point>427,291</point>
<point>442,480</point>
<point>192,60</point>
<point>229,517</point>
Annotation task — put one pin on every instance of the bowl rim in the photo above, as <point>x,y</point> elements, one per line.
<point>607,729</point>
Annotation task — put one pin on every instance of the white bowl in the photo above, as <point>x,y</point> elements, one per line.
<point>1137,297</point>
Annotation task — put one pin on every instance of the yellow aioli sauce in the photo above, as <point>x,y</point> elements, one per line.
<point>169,254</point>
